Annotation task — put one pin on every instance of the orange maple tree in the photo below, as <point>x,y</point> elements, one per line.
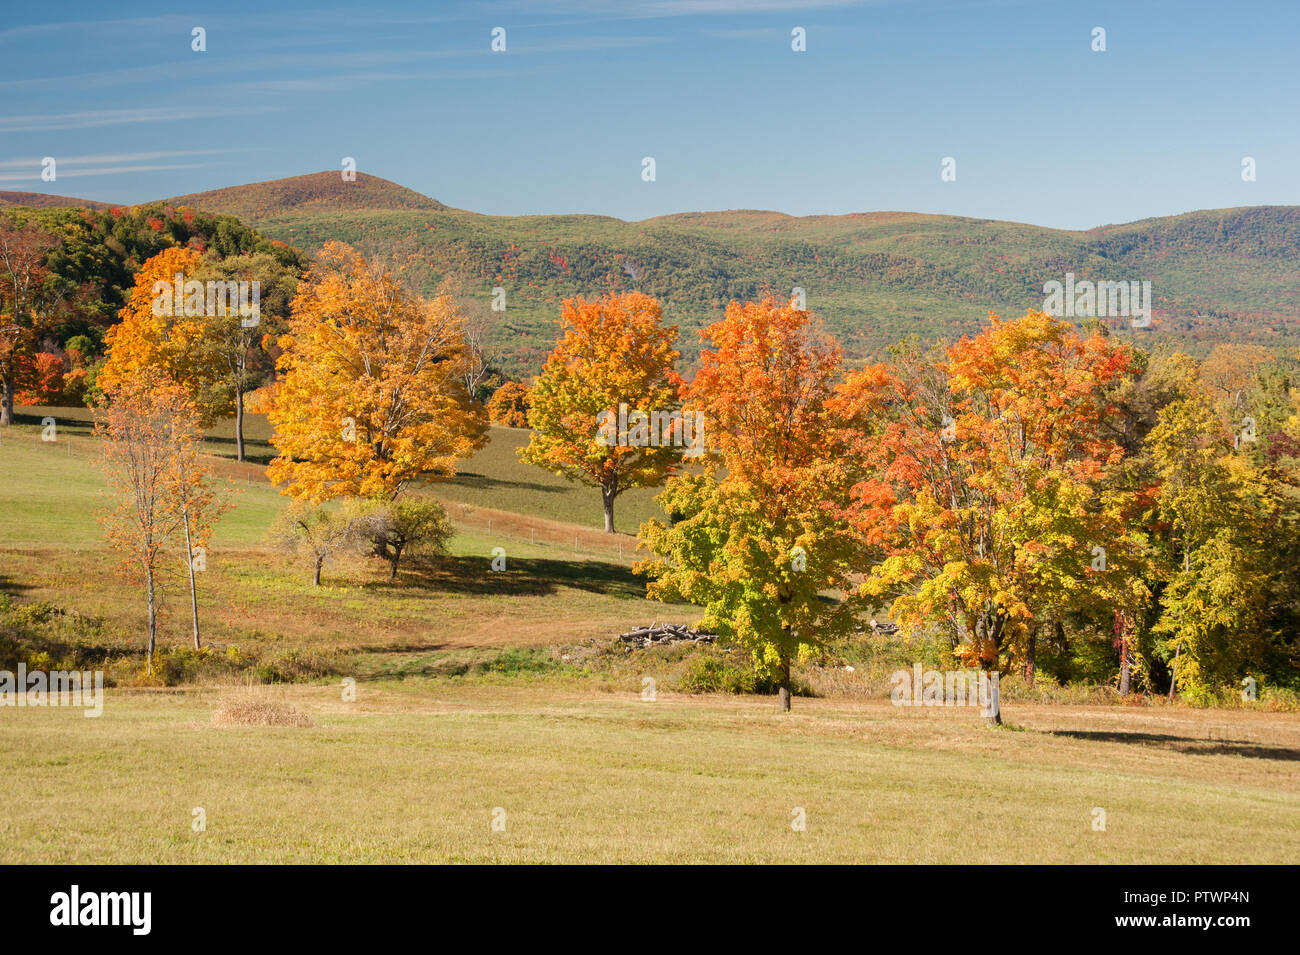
<point>755,539</point>
<point>605,409</point>
<point>185,347</point>
<point>508,406</point>
<point>986,495</point>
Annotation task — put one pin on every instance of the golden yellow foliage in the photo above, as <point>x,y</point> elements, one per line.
<point>371,394</point>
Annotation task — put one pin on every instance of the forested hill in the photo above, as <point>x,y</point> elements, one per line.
<point>1216,275</point>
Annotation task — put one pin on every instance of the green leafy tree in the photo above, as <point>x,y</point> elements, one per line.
<point>756,539</point>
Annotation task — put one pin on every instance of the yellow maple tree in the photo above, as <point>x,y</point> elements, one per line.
<point>605,411</point>
<point>371,393</point>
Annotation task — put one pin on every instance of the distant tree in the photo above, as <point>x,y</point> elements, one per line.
<point>156,332</point>
<point>508,405</point>
<point>318,532</point>
<point>601,410</point>
<point>41,379</point>
<point>754,541</point>
<point>23,250</point>
<point>372,392</point>
<point>241,363</point>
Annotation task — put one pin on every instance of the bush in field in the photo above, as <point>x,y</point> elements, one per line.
<point>317,533</point>
<point>711,672</point>
<point>416,528</point>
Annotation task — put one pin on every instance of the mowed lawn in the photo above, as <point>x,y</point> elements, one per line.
<point>416,773</point>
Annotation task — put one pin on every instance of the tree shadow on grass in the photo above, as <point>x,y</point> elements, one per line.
<point>1187,744</point>
<point>482,482</point>
<point>75,421</point>
<point>226,448</point>
<point>523,577</point>
<point>13,586</point>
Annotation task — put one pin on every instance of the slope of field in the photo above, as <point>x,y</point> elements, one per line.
<point>563,583</point>
<point>494,479</point>
<point>1217,275</point>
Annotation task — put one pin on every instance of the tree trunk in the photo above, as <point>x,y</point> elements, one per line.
<point>239,424</point>
<point>393,561</point>
<point>988,628</point>
<point>315,580</point>
<point>607,496</point>
<point>993,713</point>
<point>7,404</point>
<point>194,592</point>
<point>1125,663</point>
<point>783,691</point>
<point>1173,674</point>
<point>1031,652</point>
<point>153,622</point>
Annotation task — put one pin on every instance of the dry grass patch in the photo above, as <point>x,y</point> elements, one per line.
<point>257,710</point>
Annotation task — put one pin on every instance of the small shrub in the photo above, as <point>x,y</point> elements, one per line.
<point>519,661</point>
<point>295,666</point>
<point>712,672</point>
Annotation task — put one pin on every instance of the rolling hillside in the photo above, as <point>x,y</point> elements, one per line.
<point>42,200</point>
<point>1217,275</point>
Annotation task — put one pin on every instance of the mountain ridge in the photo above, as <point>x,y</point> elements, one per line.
<point>374,193</point>
<point>875,277</point>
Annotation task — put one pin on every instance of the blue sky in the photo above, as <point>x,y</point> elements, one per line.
<point>1043,129</point>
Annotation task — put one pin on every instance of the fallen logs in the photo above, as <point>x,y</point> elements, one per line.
<point>662,634</point>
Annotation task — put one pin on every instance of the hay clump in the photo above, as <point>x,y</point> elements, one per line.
<point>255,711</point>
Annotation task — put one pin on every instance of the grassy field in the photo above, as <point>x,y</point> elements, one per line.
<point>262,602</point>
<point>493,480</point>
<point>478,691</point>
<point>413,773</point>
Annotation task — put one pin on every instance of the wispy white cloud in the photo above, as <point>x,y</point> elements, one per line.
<point>106,171</point>
<point>134,23</point>
<point>117,117</point>
<point>102,158</point>
<point>330,82</point>
<point>650,9</point>
<point>755,33</point>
